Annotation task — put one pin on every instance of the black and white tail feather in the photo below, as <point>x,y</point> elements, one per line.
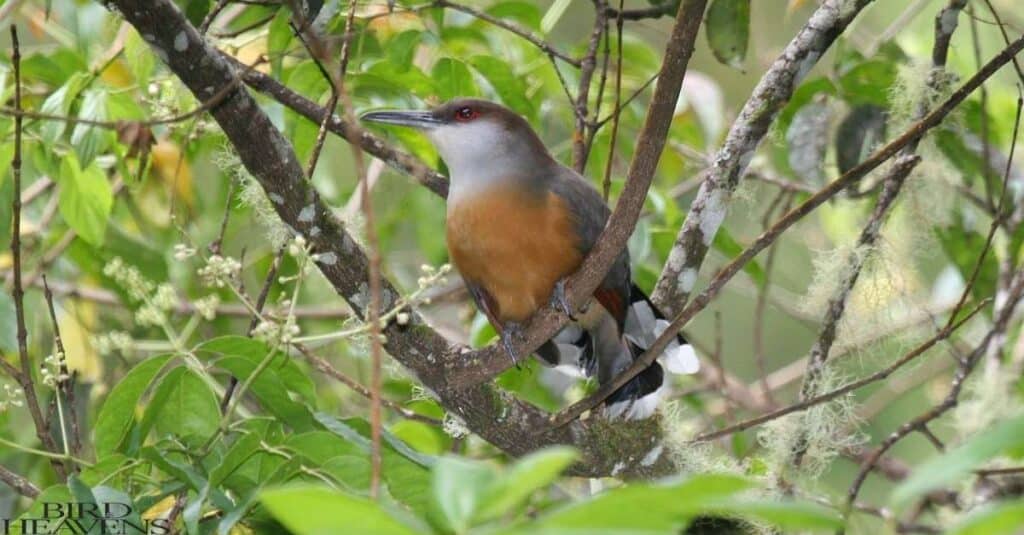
<point>640,397</point>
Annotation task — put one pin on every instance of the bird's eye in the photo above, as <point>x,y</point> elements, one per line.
<point>466,114</point>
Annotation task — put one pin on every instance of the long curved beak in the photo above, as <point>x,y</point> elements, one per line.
<point>414,119</point>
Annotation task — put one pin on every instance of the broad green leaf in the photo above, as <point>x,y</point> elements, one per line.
<point>527,475</point>
<point>121,501</point>
<point>525,13</point>
<point>309,510</point>
<point>279,34</point>
<point>49,495</point>
<point>651,508</point>
<point>191,410</point>
<point>869,83</point>
<point>994,519</point>
<point>801,97</point>
<point>118,410</point>
<point>284,367</point>
<point>453,79</point>
<point>793,516</point>
<point>85,199</point>
<point>459,485</point>
<point>955,464</point>
<point>271,392</point>
<point>90,140</point>
<point>402,48</point>
<point>244,448</point>
<point>728,30</point>
<point>139,57</point>
<point>505,82</point>
<point>59,103</point>
<point>155,406</point>
<point>963,246</point>
<point>727,245</point>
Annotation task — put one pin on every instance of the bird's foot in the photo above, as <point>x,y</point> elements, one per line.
<point>510,333</point>
<point>559,301</point>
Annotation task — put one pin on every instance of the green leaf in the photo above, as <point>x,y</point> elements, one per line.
<point>118,410</point>
<point>661,508</point>
<point>728,30</point>
<point>727,245</point>
<point>553,15</point>
<point>955,464</point>
<point>868,83</point>
<point>963,246</point>
<point>52,494</point>
<point>993,519</point>
<point>191,410</point>
<point>402,48</point>
<point>525,13</point>
<point>458,488</point>
<point>271,392</point>
<point>155,406</point>
<point>793,516</point>
<point>505,82</point>
<point>59,103</point>
<point>453,79</point>
<point>527,475</point>
<point>309,510</point>
<point>85,199</point>
<point>89,140</point>
<point>285,368</point>
<point>279,34</point>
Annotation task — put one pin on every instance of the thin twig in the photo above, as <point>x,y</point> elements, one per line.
<point>24,378</point>
<point>913,133</point>
<point>607,182</point>
<point>922,348</point>
<point>66,385</point>
<point>580,148</point>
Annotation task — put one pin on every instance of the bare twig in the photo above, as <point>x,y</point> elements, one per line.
<point>24,376</point>
<point>66,385</point>
<point>912,134</point>
<point>543,45</point>
<point>708,209</point>
<point>580,147</point>
<point>20,485</point>
<point>818,399</point>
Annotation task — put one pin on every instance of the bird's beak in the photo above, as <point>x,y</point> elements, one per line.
<point>416,119</point>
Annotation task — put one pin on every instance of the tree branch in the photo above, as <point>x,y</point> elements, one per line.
<point>708,209</point>
<point>496,416</point>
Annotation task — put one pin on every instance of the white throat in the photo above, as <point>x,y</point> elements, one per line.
<point>480,155</point>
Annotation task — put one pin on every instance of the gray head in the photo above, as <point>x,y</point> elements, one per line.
<point>478,140</point>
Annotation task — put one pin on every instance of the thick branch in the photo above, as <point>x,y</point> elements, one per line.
<point>496,416</point>
<point>774,90</point>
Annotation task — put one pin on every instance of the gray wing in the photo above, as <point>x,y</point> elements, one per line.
<point>591,214</point>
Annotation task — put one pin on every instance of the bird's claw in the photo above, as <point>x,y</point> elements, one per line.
<point>509,333</point>
<point>559,301</point>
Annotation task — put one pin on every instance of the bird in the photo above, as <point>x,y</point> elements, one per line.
<point>518,224</point>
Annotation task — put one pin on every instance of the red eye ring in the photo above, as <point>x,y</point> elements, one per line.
<point>466,113</point>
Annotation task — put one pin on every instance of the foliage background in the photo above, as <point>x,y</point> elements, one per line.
<point>156,435</point>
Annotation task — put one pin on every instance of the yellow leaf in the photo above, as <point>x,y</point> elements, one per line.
<point>168,165</point>
<point>160,509</point>
<point>117,75</point>
<point>76,322</point>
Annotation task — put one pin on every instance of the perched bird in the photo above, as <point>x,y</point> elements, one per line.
<point>518,224</point>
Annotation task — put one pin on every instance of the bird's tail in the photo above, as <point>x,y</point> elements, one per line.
<point>639,398</point>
